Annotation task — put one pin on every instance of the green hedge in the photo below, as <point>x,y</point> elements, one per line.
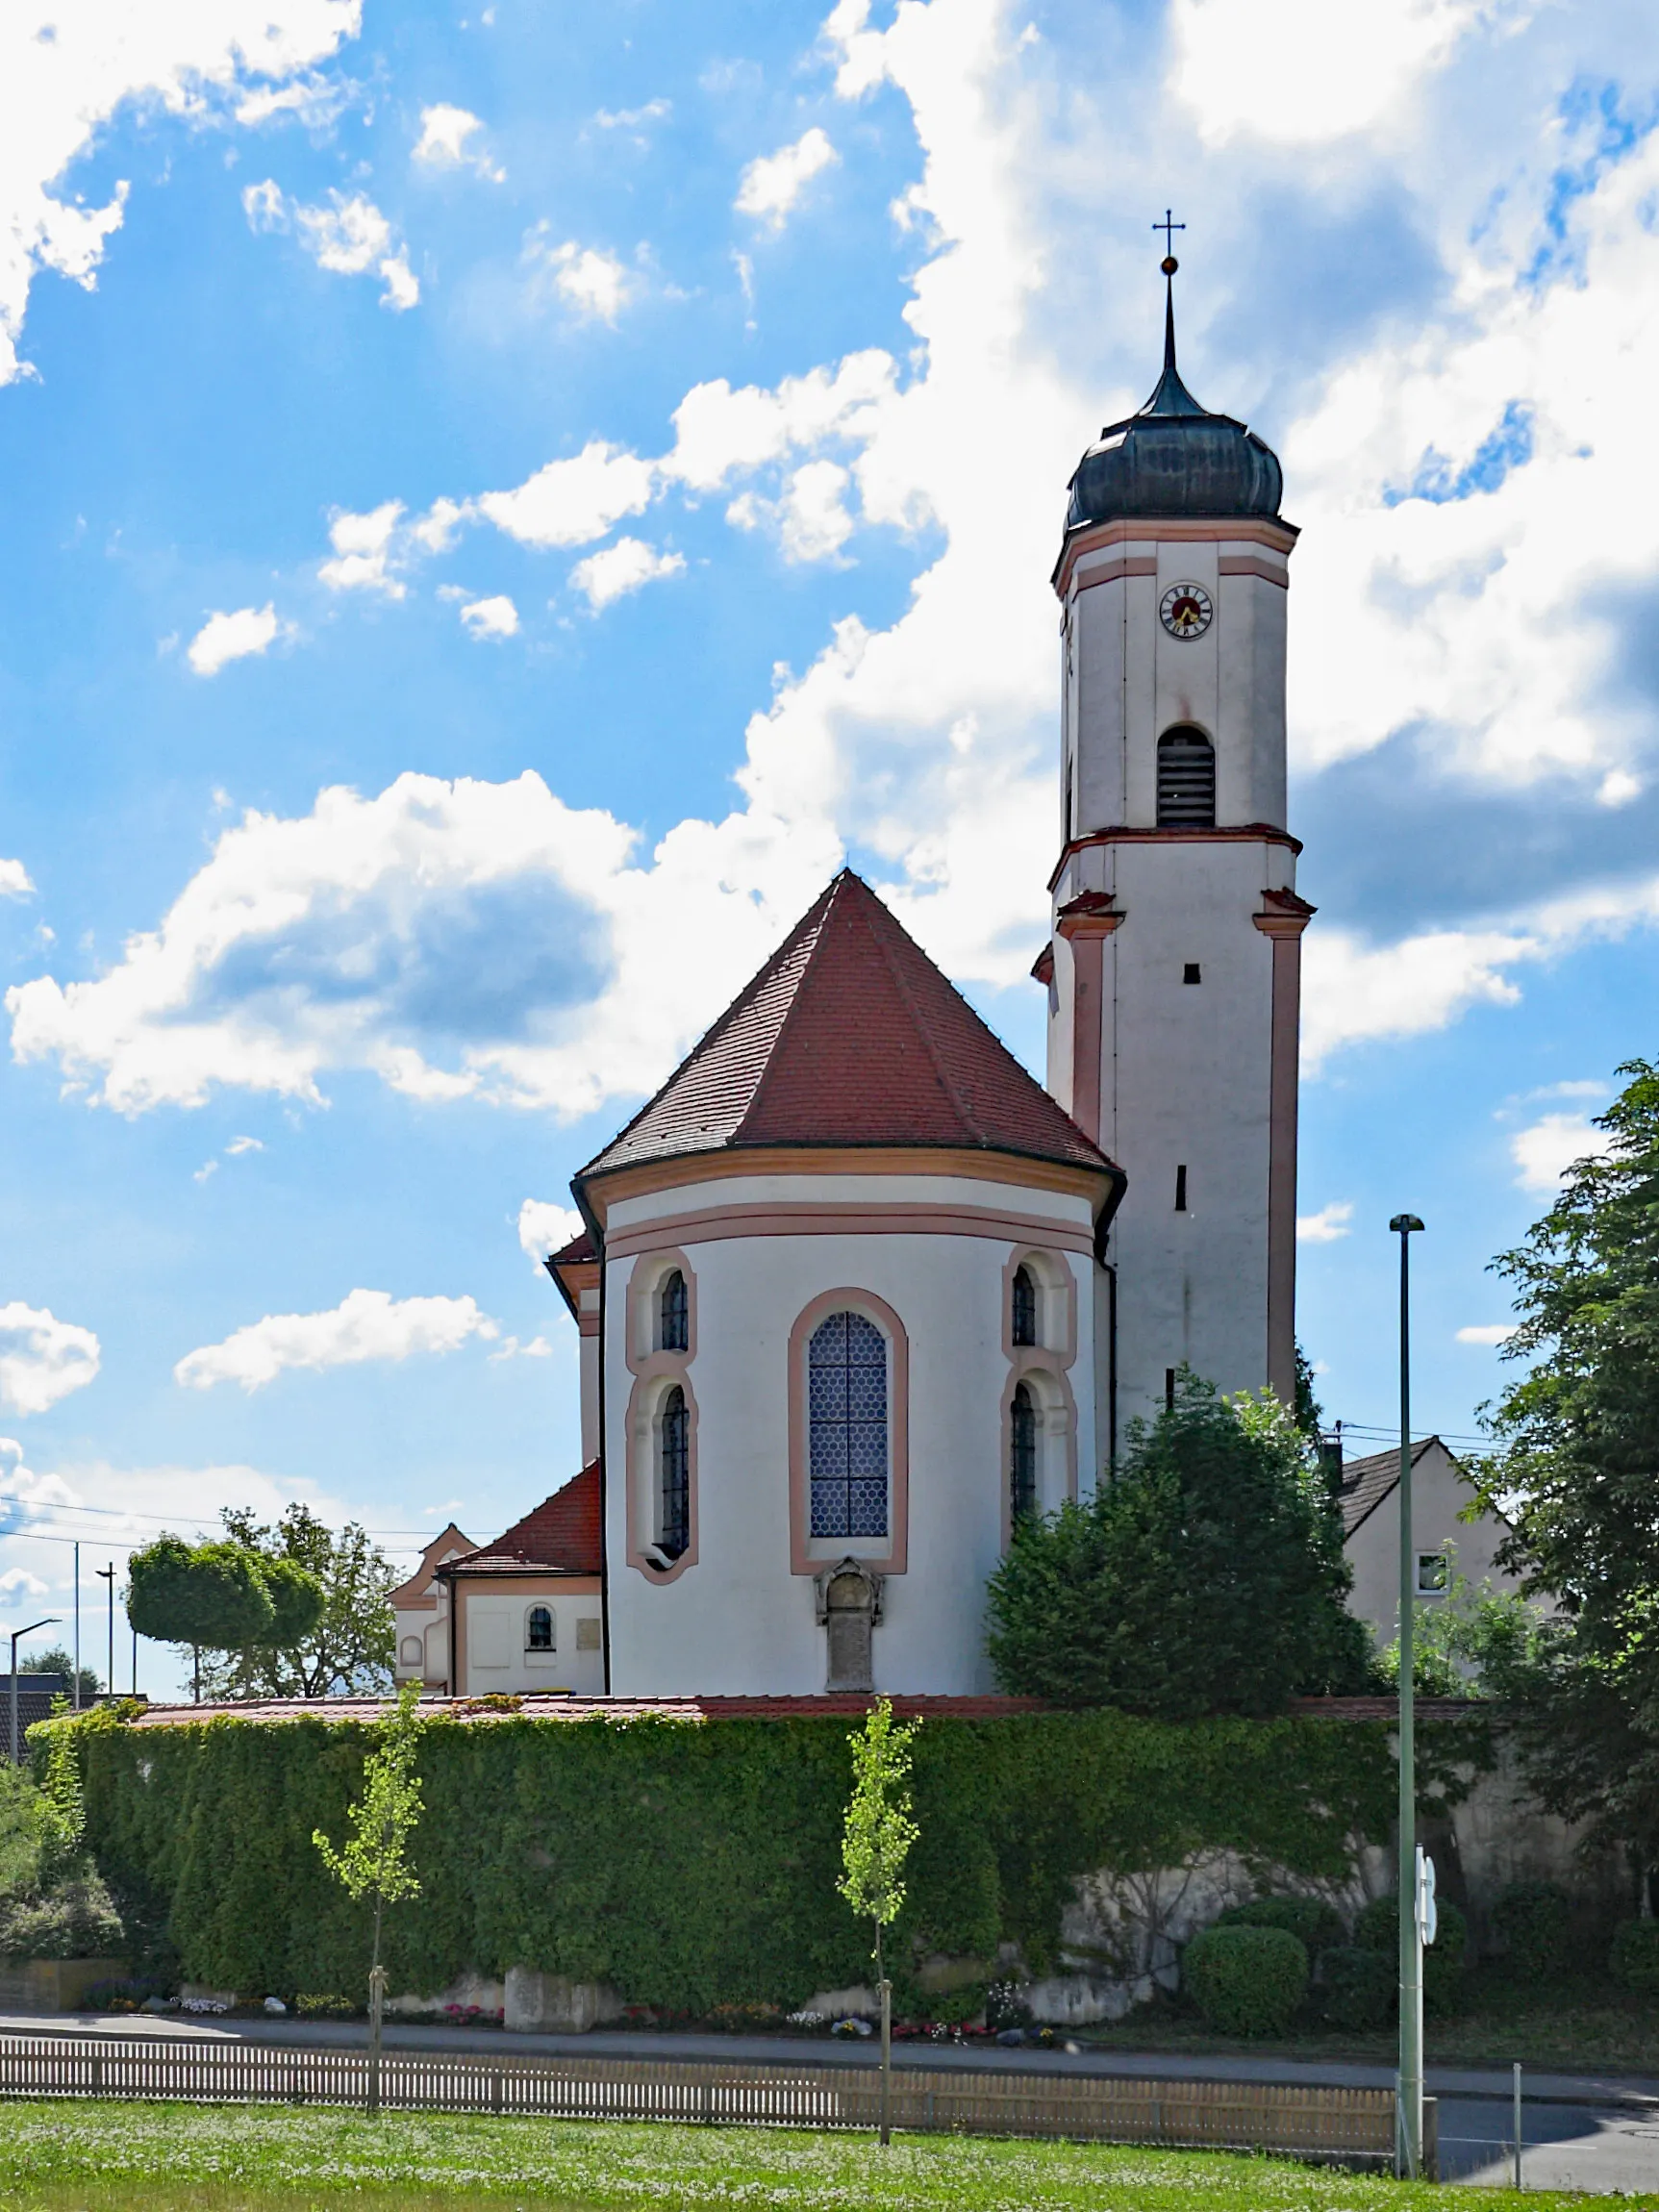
<point>689,1864</point>
<point>1247,1980</point>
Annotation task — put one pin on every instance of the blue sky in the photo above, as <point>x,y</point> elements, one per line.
<point>499,501</point>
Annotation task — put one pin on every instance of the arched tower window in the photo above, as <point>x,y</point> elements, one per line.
<point>1024,1306</point>
<point>1186,779</point>
<point>1022,1453</point>
<point>846,1418</point>
<point>672,1313</point>
<point>538,1628</point>
<point>674,1475</point>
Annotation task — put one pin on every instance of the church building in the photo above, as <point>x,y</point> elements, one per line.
<point>855,1291</point>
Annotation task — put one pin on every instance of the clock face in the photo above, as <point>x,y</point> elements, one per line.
<point>1185,611</point>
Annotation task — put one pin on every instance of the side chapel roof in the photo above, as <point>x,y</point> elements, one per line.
<point>850,1036</point>
<point>562,1536</point>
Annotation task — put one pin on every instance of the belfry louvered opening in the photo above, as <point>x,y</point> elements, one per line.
<point>1186,779</point>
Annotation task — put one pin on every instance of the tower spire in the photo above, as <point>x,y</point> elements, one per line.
<point>1171,397</point>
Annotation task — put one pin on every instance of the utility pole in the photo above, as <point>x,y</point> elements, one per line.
<point>108,1574</point>
<point>77,1687</point>
<point>1410,2147</point>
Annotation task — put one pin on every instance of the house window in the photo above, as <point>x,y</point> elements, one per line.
<point>674,1475</point>
<point>846,1413</point>
<point>1430,1573</point>
<point>1024,1306</point>
<point>672,1333</point>
<point>538,1628</point>
<point>1022,1453</point>
<point>1185,780</point>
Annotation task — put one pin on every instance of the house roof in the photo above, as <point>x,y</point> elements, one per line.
<point>849,1036</point>
<point>1367,1481</point>
<point>413,1593</point>
<point>563,1536</point>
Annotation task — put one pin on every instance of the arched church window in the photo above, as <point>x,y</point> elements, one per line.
<point>846,1416</point>
<point>1022,1453</point>
<point>1185,780</point>
<point>672,1313</point>
<point>1024,1306</point>
<point>538,1628</point>
<point>674,1475</point>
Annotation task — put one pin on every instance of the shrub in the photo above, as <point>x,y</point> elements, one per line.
<point>1635,1958</point>
<point>1314,1924</point>
<point>1377,1929</point>
<point>1247,1980</point>
<point>326,2007</point>
<point>1533,1922</point>
<point>1358,1986</point>
<point>76,1918</point>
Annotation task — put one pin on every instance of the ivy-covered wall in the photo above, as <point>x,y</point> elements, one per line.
<point>688,1863</point>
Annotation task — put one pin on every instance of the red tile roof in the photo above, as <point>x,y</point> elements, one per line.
<point>563,1536</point>
<point>850,1036</point>
<point>579,1248</point>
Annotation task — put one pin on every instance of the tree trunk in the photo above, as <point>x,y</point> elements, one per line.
<point>196,1670</point>
<point>885,1988</point>
<point>376,2015</point>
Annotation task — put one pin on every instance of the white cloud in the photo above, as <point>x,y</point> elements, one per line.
<point>348,236</point>
<point>620,568</point>
<point>1327,1227</point>
<point>545,1226</point>
<point>1273,69</point>
<point>630,118</point>
<point>771,186</point>
<point>362,551</point>
<point>1355,991</point>
<point>226,638</point>
<point>42,1358</point>
<point>573,502</point>
<point>538,1349</point>
<point>365,1326</point>
<point>1487,1333</point>
<point>18,1582</point>
<point>591,282</point>
<point>719,432</point>
<point>442,143</point>
<point>315,101</point>
<point>238,1145</point>
<point>14,880</point>
<point>435,531</point>
<point>60,92</point>
<point>1543,1153</point>
<point>496,618</point>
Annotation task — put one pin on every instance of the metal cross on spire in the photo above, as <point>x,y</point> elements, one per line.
<point>1169,227</point>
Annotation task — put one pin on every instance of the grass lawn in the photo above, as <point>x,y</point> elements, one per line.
<point>1571,2028</point>
<point>96,2157</point>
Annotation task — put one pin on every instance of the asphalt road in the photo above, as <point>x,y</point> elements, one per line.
<point>1594,2132</point>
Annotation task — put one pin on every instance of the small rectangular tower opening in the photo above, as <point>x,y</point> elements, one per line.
<point>1190,972</point>
<point>1180,1190</point>
<point>1168,1390</point>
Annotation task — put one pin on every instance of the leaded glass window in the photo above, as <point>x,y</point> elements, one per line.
<point>1025,1307</point>
<point>674,1475</point>
<point>538,1628</point>
<point>671,1314</point>
<point>1022,1453</point>
<point>846,1416</point>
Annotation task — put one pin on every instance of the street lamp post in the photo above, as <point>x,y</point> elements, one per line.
<point>50,1622</point>
<point>1410,1924</point>
<point>107,1575</point>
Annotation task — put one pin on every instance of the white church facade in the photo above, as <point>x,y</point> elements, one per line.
<point>855,1289</point>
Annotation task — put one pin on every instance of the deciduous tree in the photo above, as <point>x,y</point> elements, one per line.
<point>1204,1575</point>
<point>346,1646</point>
<point>876,1836</point>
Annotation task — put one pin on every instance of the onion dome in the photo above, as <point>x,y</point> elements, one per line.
<point>1174,457</point>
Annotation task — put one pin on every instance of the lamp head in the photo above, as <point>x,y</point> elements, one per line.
<point>1405,1223</point>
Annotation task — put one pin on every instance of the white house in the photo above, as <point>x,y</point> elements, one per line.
<point>524,1612</point>
<point>420,1611</point>
<point>1440,1493</point>
<point>854,1288</point>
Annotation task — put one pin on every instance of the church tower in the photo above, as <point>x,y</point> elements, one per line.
<point>1175,965</point>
